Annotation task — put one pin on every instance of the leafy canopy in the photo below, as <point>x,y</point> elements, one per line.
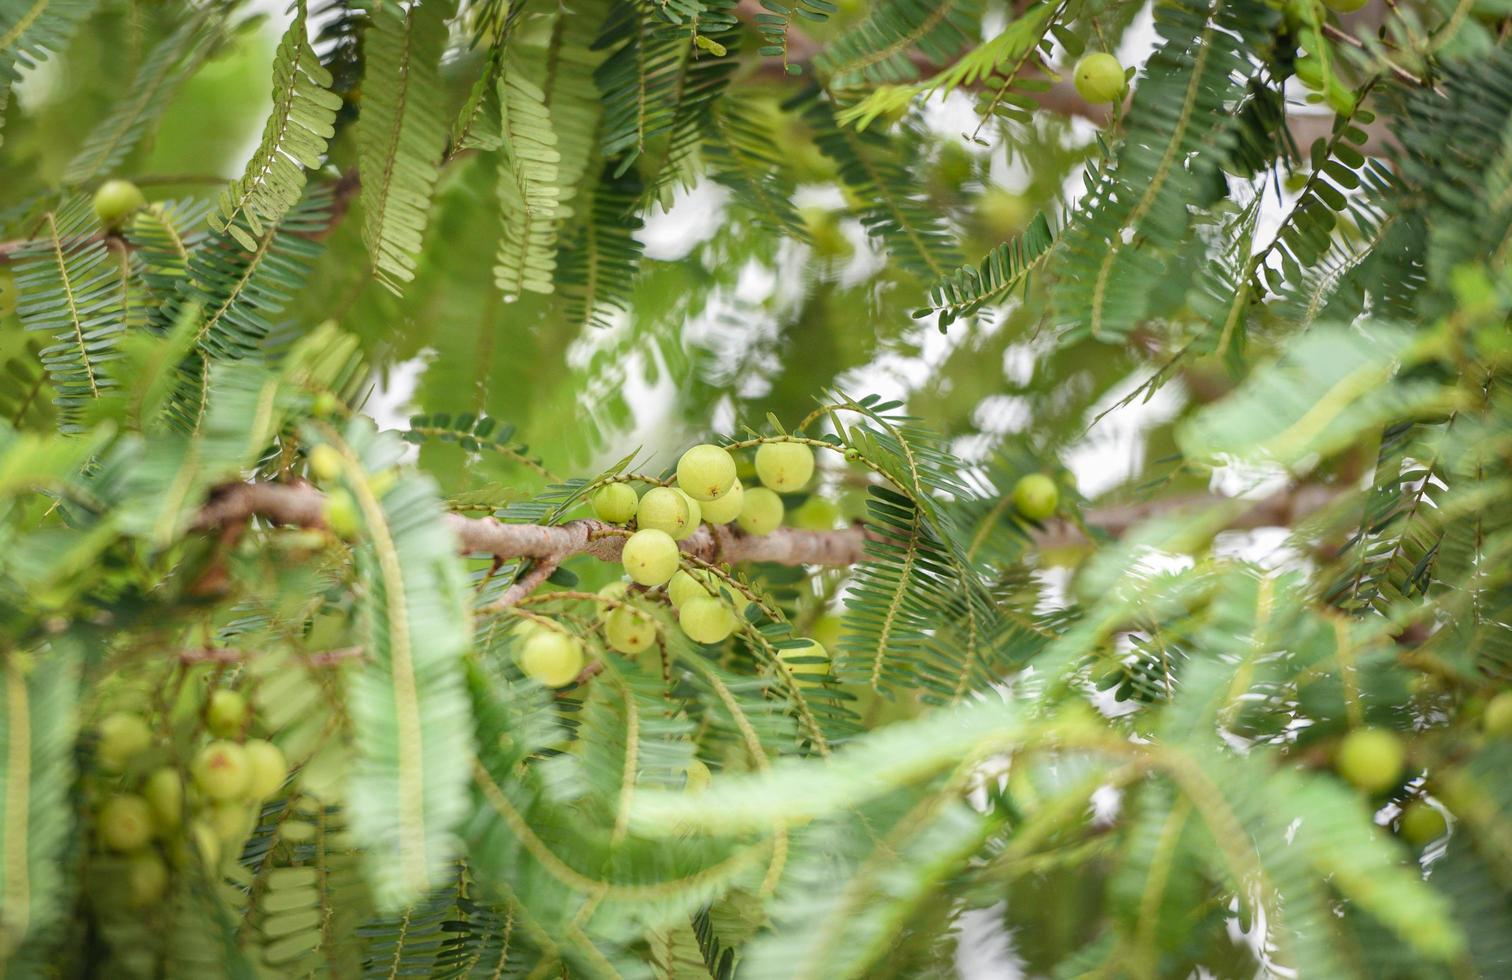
<point>1251,323</point>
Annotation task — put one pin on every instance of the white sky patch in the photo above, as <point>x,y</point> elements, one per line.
<point>1113,450</point>
<point>1247,478</point>
<point>986,949</point>
<point>1002,414</point>
<point>392,399</point>
<point>693,218</point>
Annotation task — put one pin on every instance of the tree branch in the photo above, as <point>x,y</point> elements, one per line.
<point>301,504</point>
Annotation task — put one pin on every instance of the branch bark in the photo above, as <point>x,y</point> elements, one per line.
<point>301,504</point>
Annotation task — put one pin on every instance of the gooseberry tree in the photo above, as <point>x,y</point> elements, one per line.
<point>897,489</point>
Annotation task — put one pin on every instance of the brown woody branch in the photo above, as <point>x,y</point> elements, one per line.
<point>300,504</point>
<point>547,546</point>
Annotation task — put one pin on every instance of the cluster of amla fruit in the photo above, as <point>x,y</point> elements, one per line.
<point>150,814</point>
<point>707,490</point>
<point>1376,761</point>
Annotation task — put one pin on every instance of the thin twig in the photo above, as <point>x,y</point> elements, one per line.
<point>1338,34</point>
<point>527,583</point>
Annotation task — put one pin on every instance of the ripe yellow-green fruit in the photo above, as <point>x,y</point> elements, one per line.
<point>698,777</point>
<point>226,714</point>
<point>695,515</point>
<point>615,503</point>
<point>325,404</point>
<point>1035,496</point>
<point>221,771</point>
<point>726,507</point>
<point>125,822</point>
<point>705,472</point>
<point>164,791</point>
<point>784,466</point>
<point>1422,824</point>
<point>1498,715</point>
<point>1099,78</point>
<point>688,585</point>
<point>325,463</point>
<point>826,630</point>
<point>663,509</point>
<point>814,663</point>
<point>706,619</point>
<point>1371,758</point>
<point>269,768</point>
<point>629,630</point>
<point>146,879</point>
<point>205,841</point>
<point>552,658</point>
<point>761,512</point>
<point>340,513</point>
<point>1003,213</point>
<point>123,737</point>
<point>816,514</point>
<point>524,628</point>
<point>231,822</point>
<point>116,200</point>
<point>1344,6</point>
<point>650,557</point>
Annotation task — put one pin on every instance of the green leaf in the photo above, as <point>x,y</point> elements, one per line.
<point>294,140</point>
<point>1329,388</point>
<point>529,195</point>
<point>31,31</point>
<point>401,133</point>
<point>174,60</point>
<point>71,289</point>
<point>412,726</point>
<point>879,49</point>
<point>38,717</point>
